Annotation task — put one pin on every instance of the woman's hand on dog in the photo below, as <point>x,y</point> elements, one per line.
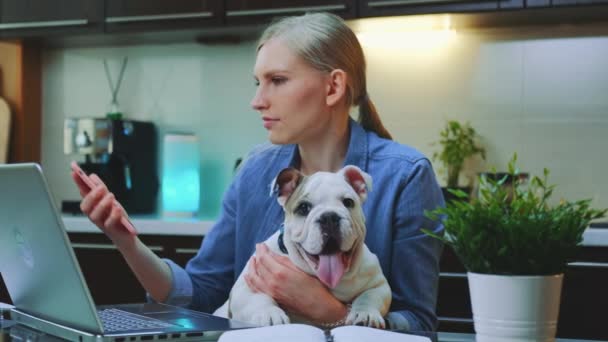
<point>293,289</point>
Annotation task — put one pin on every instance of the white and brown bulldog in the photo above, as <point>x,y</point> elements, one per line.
<point>324,232</point>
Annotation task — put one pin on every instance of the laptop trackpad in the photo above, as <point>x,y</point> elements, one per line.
<point>183,320</point>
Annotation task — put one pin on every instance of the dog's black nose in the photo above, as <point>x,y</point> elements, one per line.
<point>329,219</point>
<point>330,230</point>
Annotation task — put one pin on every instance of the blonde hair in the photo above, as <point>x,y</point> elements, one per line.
<point>325,42</point>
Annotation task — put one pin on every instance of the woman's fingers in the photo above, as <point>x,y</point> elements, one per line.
<point>266,264</point>
<point>101,211</point>
<point>113,219</point>
<point>271,261</point>
<point>97,180</point>
<point>251,283</point>
<point>91,200</point>
<point>82,187</point>
<point>252,277</point>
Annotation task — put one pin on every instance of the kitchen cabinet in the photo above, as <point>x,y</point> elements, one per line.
<point>558,3</point>
<point>375,8</point>
<point>23,18</point>
<point>564,3</point>
<point>185,19</point>
<point>262,11</point>
<point>107,274</point>
<point>583,301</point>
<point>160,15</point>
<point>453,301</point>
<point>538,3</point>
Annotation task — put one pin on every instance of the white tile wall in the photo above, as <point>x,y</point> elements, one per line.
<point>544,98</point>
<point>181,87</point>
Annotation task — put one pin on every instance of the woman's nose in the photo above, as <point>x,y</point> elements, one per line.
<point>259,102</point>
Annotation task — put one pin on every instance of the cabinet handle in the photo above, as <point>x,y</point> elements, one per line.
<point>455,319</point>
<point>405,2</point>
<point>108,246</point>
<point>41,24</point>
<point>284,10</point>
<point>452,275</point>
<point>158,17</point>
<point>588,264</point>
<point>186,250</point>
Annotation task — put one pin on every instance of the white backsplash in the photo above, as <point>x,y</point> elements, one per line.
<point>181,88</point>
<point>544,98</point>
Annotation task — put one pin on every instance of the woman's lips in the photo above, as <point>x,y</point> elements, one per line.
<point>269,122</point>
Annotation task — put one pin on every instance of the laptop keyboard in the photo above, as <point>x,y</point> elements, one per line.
<point>117,320</point>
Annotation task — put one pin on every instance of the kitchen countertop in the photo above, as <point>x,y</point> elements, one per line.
<point>151,225</point>
<point>194,226</point>
<point>595,237</point>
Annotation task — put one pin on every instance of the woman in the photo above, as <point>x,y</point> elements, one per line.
<point>310,71</point>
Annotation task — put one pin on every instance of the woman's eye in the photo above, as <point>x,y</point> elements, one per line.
<point>348,202</point>
<point>303,209</point>
<point>278,80</point>
<point>257,83</point>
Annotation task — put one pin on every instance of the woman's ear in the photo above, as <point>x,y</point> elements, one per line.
<point>336,86</point>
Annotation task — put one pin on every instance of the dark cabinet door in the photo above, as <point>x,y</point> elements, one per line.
<point>263,11</point>
<point>109,278</point>
<point>158,15</point>
<point>583,304</point>
<point>107,275</point>
<point>577,2</point>
<point>372,8</point>
<point>453,300</point>
<point>179,249</point>
<point>22,18</point>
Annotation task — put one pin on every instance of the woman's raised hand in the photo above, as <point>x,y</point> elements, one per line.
<point>102,208</point>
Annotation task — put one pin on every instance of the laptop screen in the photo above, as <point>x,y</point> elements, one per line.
<point>38,264</point>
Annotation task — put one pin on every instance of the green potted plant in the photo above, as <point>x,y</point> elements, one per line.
<point>515,246</point>
<point>458,142</point>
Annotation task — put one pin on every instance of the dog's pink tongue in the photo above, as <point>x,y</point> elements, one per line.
<point>331,269</point>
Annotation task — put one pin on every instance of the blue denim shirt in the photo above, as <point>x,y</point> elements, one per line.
<point>404,186</point>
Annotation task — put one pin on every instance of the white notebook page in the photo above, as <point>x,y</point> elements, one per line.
<point>353,333</point>
<point>283,332</point>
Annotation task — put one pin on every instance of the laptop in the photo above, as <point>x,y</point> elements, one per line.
<point>46,285</point>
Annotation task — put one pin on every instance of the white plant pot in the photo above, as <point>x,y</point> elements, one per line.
<point>515,308</point>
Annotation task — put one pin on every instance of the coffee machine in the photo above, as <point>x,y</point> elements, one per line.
<point>123,153</point>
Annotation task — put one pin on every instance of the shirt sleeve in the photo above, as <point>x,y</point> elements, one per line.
<point>415,260</point>
<point>206,281</point>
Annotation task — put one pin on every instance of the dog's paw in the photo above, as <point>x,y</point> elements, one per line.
<point>270,316</point>
<point>366,317</point>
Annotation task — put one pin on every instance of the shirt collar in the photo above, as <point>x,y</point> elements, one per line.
<point>355,155</point>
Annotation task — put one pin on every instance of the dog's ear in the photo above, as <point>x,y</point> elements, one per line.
<point>359,180</point>
<point>285,183</point>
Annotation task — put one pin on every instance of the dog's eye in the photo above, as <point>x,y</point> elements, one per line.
<point>348,202</point>
<point>303,209</point>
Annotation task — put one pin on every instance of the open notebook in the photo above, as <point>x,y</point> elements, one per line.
<point>308,333</point>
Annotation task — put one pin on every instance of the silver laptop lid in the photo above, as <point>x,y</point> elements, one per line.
<point>36,259</point>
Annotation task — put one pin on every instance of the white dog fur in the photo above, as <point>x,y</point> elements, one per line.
<point>348,268</point>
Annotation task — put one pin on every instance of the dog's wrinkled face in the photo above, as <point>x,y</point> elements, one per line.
<point>324,222</point>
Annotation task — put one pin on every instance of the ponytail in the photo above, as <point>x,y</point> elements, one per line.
<point>369,118</point>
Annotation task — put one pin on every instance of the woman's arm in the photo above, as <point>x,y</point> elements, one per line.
<point>152,272</point>
<point>99,204</point>
<point>415,282</point>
